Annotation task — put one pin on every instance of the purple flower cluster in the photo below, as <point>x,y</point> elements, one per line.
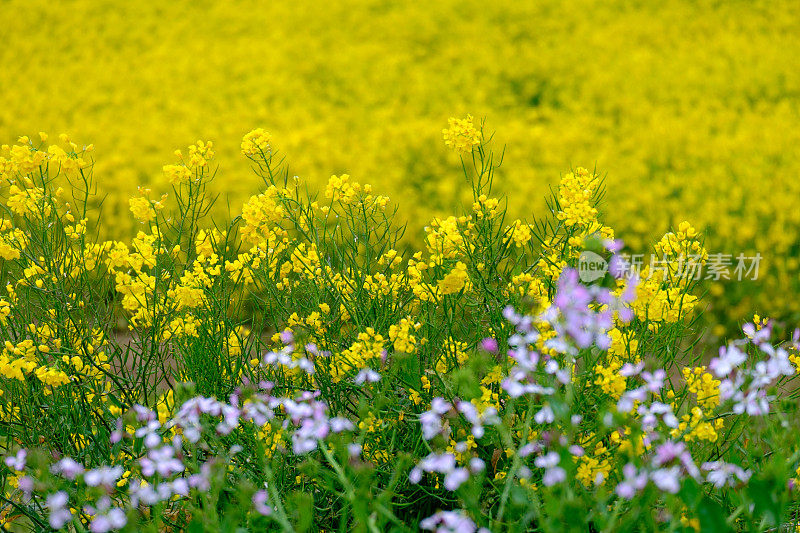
<point>649,414</point>
<point>671,461</point>
<point>165,474</point>
<point>747,388</point>
<point>59,514</point>
<point>18,461</point>
<point>366,375</point>
<point>553,473</point>
<point>524,377</point>
<point>573,313</point>
<point>311,419</point>
<point>721,474</point>
<point>670,464</point>
<point>633,482</point>
<point>450,522</point>
<point>308,415</point>
<point>433,424</point>
<point>260,499</point>
<point>283,358</point>
<point>105,517</point>
<point>454,475</point>
<point>582,316</point>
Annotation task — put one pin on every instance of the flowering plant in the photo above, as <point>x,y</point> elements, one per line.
<point>297,370</point>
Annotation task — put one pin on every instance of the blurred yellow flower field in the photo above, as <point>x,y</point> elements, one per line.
<point>688,108</point>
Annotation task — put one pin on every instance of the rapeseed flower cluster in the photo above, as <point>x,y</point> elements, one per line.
<point>690,110</point>
<point>461,135</point>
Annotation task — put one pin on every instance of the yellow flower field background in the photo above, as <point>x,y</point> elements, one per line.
<point>690,109</point>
